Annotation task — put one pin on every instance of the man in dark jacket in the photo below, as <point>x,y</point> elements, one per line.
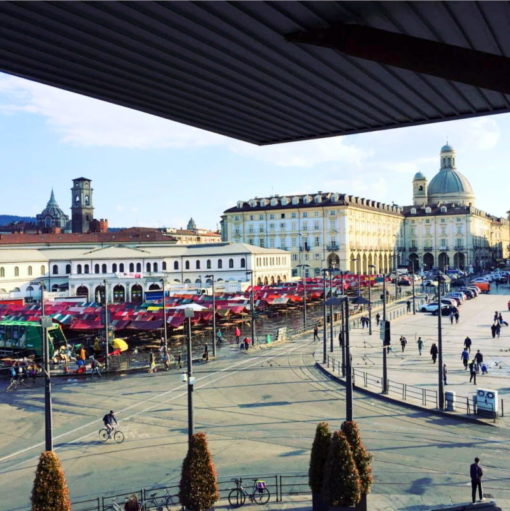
<point>476,473</point>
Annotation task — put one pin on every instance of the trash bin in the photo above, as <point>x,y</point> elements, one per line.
<point>268,339</point>
<point>450,401</point>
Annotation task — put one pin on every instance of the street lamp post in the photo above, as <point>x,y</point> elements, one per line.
<point>412,283</point>
<point>440,345</point>
<point>348,364</point>
<point>214,315</point>
<point>324,339</point>
<point>303,276</point>
<point>385,353</point>
<point>252,307</point>
<point>48,411</point>
<point>331,347</point>
<point>165,330</point>
<point>106,326</point>
<point>371,267</point>
<point>189,313</point>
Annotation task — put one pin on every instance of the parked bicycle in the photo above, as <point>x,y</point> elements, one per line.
<point>114,434</point>
<point>15,383</point>
<point>259,494</point>
<point>152,502</point>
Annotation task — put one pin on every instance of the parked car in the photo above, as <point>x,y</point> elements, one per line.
<point>446,310</point>
<point>431,307</point>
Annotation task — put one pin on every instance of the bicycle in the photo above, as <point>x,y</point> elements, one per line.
<point>260,494</point>
<point>14,384</point>
<point>159,503</point>
<point>105,435</point>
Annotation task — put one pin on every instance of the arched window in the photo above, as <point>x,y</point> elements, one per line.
<point>121,267</point>
<point>86,269</point>
<point>230,263</point>
<point>114,268</point>
<point>208,264</point>
<point>155,267</point>
<point>176,265</point>
<point>78,269</point>
<point>131,267</point>
<point>16,271</point>
<point>148,267</point>
<point>43,270</point>
<point>68,269</point>
<point>2,271</point>
<point>138,266</point>
<point>29,271</point>
<point>96,268</point>
<point>104,268</point>
<point>220,263</point>
<point>197,264</point>
<point>163,265</point>
<point>186,265</point>
<point>54,270</point>
<point>243,262</point>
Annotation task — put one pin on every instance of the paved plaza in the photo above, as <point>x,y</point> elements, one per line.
<point>259,411</point>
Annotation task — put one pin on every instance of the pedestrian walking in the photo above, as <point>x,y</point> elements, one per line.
<point>316,333</point>
<point>476,473</point>
<point>219,336</point>
<point>478,360</point>
<point>452,317</point>
<point>484,368</point>
<point>445,372</point>
<point>403,342</point>
<point>467,344</point>
<point>152,363</point>
<point>464,356</point>
<point>378,317</point>
<point>179,361</point>
<point>433,352</point>
<point>247,342</point>
<point>472,372</point>
<point>205,355</point>
<point>419,342</point>
<point>498,329</point>
<point>496,315</point>
<point>456,314</point>
<point>408,305</point>
<point>237,333</point>
<point>493,330</point>
<point>341,339</point>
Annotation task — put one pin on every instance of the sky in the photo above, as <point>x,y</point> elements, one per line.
<point>148,171</point>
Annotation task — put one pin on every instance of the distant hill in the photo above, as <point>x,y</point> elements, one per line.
<point>9,219</point>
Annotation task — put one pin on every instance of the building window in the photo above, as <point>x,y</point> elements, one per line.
<point>114,268</point>
<point>220,263</point>
<point>293,215</point>
<point>230,263</point>
<point>261,242</point>
<point>138,267</point>
<point>55,269</point>
<point>43,270</point>
<point>208,264</point>
<point>154,267</point>
<point>16,271</point>
<point>317,241</point>
<point>121,267</point>
<point>243,262</point>
<point>131,267</point>
<point>78,269</point>
<point>104,268</point>
<point>176,265</point>
<point>186,265</point>
<point>261,217</point>
<point>30,270</point>
<point>305,214</point>
<point>197,264</point>
<point>282,215</point>
<point>332,213</point>
<point>148,267</point>
<point>2,271</point>
<point>87,269</point>
<point>96,268</point>
<point>251,217</point>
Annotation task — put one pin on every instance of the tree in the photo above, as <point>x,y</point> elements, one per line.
<point>362,457</point>
<point>318,456</point>
<point>198,489</point>
<point>50,492</point>
<point>341,485</point>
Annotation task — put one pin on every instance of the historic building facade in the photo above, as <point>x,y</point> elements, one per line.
<point>441,229</point>
<point>193,235</point>
<point>52,218</point>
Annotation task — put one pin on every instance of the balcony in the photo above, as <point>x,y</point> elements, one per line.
<point>443,249</point>
<point>427,248</point>
<point>459,247</point>
<point>332,247</point>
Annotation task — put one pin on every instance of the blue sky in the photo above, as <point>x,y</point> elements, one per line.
<point>152,172</point>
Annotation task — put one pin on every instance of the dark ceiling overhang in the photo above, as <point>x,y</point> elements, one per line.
<point>240,68</point>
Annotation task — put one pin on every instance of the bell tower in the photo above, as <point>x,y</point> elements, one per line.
<point>419,189</point>
<point>81,206</point>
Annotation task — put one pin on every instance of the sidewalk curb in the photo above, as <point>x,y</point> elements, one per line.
<point>389,399</point>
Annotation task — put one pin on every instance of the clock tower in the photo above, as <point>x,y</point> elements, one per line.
<point>81,206</point>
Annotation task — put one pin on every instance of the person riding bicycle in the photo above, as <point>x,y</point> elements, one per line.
<point>110,421</point>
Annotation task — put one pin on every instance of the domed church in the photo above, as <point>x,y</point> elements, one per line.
<point>443,229</point>
<point>52,218</point>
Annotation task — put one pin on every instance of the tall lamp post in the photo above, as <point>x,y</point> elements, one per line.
<point>370,267</point>
<point>165,329</point>
<point>252,307</point>
<point>324,318</point>
<point>188,314</point>
<point>106,326</point>
<point>46,322</point>
<point>214,314</point>
<point>385,348</point>
<point>411,262</point>
<point>331,347</point>
<point>440,345</point>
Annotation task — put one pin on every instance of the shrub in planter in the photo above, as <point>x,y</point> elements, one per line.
<point>50,492</point>
<point>362,457</point>
<point>198,489</point>
<point>318,456</point>
<point>341,485</point>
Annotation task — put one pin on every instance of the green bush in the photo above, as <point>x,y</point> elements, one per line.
<point>362,457</point>
<point>318,456</point>
<point>50,492</point>
<point>198,489</point>
<point>341,485</point>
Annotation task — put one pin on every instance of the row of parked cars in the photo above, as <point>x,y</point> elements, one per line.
<point>452,300</point>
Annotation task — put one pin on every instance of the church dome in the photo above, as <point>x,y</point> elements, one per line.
<point>52,215</point>
<point>449,185</point>
<point>418,176</point>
